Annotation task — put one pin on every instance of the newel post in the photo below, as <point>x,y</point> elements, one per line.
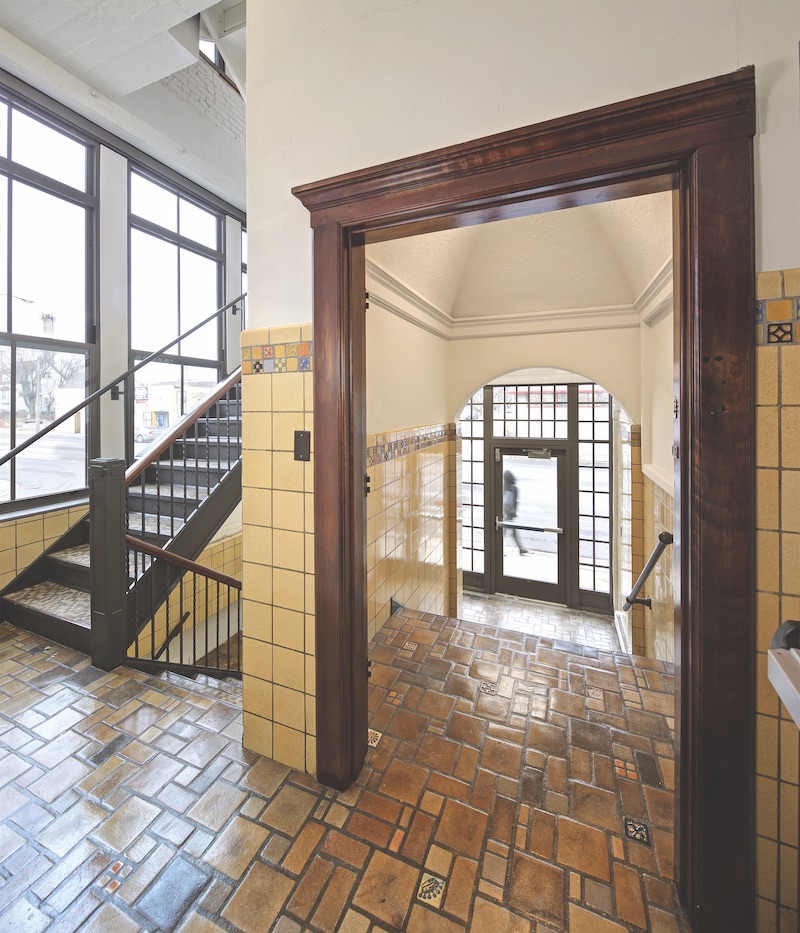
<point>107,552</point>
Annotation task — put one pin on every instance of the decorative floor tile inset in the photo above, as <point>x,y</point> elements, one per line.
<point>373,738</point>
<point>431,890</point>
<point>595,693</point>
<point>410,646</point>
<point>488,689</point>
<point>638,831</point>
<point>625,769</point>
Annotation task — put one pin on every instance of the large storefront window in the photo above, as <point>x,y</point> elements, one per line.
<point>47,184</point>
<point>176,282</point>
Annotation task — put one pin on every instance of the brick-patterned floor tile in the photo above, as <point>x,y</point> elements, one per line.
<point>514,801</point>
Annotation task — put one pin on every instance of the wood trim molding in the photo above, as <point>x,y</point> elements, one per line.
<point>695,140</point>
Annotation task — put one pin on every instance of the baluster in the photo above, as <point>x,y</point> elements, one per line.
<point>194,614</point>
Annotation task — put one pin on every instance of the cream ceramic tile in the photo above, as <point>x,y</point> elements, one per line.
<point>790,563</point>
<point>284,424</point>
<point>288,668</point>
<point>257,582</point>
<point>30,531</point>
<point>287,473</point>
<point>55,524</point>
<point>258,658</point>
<point>791,282</point>
<point>8,536</point>
<point>256,393</point>
<point>767,437</point>
<point>257,469</point>
<point>790,437</point>
<point>790,374</point>
<point>769,285</point>
<point>257,696</point>
<point>306,332</point>
<point>257,544</point>
<point>289,629</point>
<point>289,552</point>
<point>257,735</point>
<point>790,500</point>
<point>254,336</point>
<point>289,708</point>
<point>311,634</point>
<point>257,505</point>
<point>289,510</point>
<point>289,747</point>
<point>256,431</point>
<point>767,499</point>
<point>288,589</point>
<point>287,392</point>
<point>311,714</point>
<point>285,333</point>
<point>767,746</point>
<point>27,555</point>
<point>257,620</point>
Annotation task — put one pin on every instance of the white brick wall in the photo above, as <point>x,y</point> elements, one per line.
<point>210,95</point>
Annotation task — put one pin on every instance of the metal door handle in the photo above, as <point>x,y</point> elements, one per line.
<point>498,525</point>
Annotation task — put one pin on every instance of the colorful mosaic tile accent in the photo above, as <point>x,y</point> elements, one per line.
<point>392,450</point>
<point>778,310</point>
<point>278,358</point>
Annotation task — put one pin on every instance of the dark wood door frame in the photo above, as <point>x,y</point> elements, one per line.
<point>696,140</point>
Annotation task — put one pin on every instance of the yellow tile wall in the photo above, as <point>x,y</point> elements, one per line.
<point>224,555</point>
<point>413,522</point>
<point>279,702</point>
<point>777,599</point>
<point>658,622</point>
<point>636,614</point>
<point>24,539</point>
<point>623,463</point>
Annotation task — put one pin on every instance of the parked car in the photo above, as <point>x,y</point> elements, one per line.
<point>147,434</point>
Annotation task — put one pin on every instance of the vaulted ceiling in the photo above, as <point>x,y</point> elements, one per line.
<point>592,258</point>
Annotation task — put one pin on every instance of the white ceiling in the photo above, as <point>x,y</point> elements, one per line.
<point>594,257</point>
<point>120,46</point>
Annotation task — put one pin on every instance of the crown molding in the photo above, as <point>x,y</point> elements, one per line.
<point>389,292</point>
<point>655,301</point>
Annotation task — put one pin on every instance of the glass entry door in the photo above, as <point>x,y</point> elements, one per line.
<point>531,523</point>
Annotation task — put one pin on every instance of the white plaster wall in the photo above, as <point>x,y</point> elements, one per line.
<point>360,82</point>
<point>407,374</point>
<point>657,402</point>
<point>608,357</point>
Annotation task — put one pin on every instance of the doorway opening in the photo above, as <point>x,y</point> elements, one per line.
<point>696,141</point>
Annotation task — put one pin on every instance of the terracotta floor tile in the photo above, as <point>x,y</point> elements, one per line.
<point>462,828</point>
<point>386,889</point>
<point>489,792</point>
<point>537,888</point>
<point>404,782</point>
<point>258,899</point>
<point>234,849</point>
<point>583,848</point>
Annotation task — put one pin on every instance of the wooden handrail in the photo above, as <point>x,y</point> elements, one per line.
<point>135,470</point>
<point>154,551</point>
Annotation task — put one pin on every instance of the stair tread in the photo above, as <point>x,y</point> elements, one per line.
<point>168,525</point>
<point>73,555</point>
<point>57,600</point>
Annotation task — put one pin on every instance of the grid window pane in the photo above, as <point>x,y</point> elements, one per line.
<point>198,224</point>
<point>47,151</point>
<point>154,202</point>
<point>472,486</point>
<point>48,265</point>
<point>594,500</point>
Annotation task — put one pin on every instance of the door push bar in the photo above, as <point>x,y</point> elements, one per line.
<point>664,539</point>
<point>498,525</point>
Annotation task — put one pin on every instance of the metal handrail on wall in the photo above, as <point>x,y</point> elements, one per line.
<point>231,305</point>
<point>664,540</point>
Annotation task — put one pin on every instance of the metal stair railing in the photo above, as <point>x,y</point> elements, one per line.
<point>664,540</point>
<point>197,628</point>
<point>233,306</point>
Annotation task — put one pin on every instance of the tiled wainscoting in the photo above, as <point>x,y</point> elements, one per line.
<point>278,527</point>
<point>778,586</point>
<point>23,539</point>
<point>656,639</point>
<point>412,515</point>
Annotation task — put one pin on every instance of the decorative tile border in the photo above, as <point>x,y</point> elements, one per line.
<point>778,307</point>
<point>428,437</point>
<point>278,358</point>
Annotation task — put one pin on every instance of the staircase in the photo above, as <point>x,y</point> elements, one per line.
<point>178,495</point>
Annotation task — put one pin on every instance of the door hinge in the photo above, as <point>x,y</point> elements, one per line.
<point>497,455</point>
<point>676,451</point>
<point>369,668</point>
<point>676,407</point>
<point>367,481</point>
<point>366,301</point>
